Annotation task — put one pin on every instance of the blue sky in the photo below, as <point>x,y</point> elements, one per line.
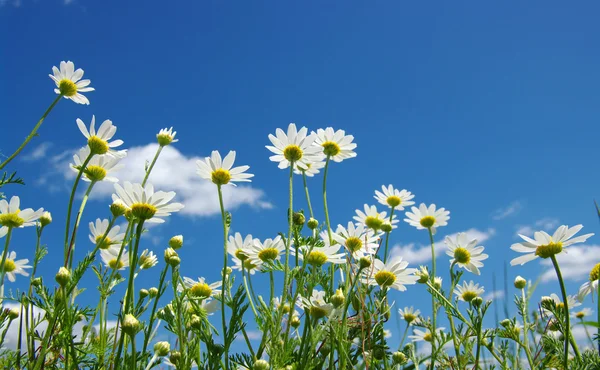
<point>488,110</point>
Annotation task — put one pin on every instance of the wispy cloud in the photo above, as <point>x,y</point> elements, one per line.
<point>496,294</point>
<point>575,263</point>
<point>504,212</point>
<point>420,253</point>
<point>37,153</point>
<point>546,224</point>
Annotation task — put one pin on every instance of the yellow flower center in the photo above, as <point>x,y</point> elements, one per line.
<point>409,317</point>
<point>200,290</point>
<point>11,220</point>
<point>164,139</point>
<point>67,87</point>
<point>318,312</point>
<point>394,201</point>
<point>580,315</point>
<point>240,254</point>
<point>143,211</point>
<point>385,278</point>
<point>103,244</point>
<point>268,254</point>
<point>548,250</point>
<point>469,295</point>
<point>97,145</point>
<point>373,222</point>
<point>560,306</point>
<point>292,153</point>
<point>595,273</point>
<point>95,173</point>
<point>462,255</point>
<point>427,337</point>
<point>316,258</point>
<point>249,265</point>
<point>220,176</point>
<point>353,244</point>
<point>9,265</point>
<point>331,148</point>
<point>116,264</point>
<point>428,221</point>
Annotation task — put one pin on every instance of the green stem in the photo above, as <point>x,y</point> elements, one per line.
<point>387,237</point>
<point>587,333</point>
<point>4,255</point>
<point>286,268</point>
<point>163,275</point>
<point>71,251</point>
<point>71,198</point>
<point>325,200</point>
<point>225,232</point>
<point>307,195</point>
<point>248,291</point>
<point>133,353</point>
<point>525,339</point>
<point>478,339</point>
<point>32,134</point>
<point>433,305</point>
<point>151,165</point>
<point>404,336</point>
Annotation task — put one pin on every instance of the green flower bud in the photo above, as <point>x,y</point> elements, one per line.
<point>298,218</point>
<point>46,219</point>
<point>520,282</point>
<point>118,208</point>
<point>144,293</point>
<point>399,358</point>
<point>13,313</point>
<point>162,348</point>
<point>153,292</point>
<point>130,325</point>
<point>312,223</point>
<point>337,299</point>
<point>63,276</point>
<point>176,242</point>
<point>261,365</point>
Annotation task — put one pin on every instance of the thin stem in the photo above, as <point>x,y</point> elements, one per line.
<point>4,255</point>
<point>248,291</point>
<point>32,134</point>
<point>151,165</point>
<point>587,333</point>
<point>325,199</point>
<point>307,195</point>
<point>151,360</point>
<point>478,339</point>
<point>433,305</point>
<point>387,237</point>
<point>286,268</point>
<point>71,198</point>
<point>71,251</point>
<point>133,353</point>
<point>163,275</point>
<point>525,339</point>
<point>404,336</point>
<point>225,232</point>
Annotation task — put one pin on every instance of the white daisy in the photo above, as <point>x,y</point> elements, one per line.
<point>583,313</point>
<point>316,305</point>
<point>393,274</point>
<point>12,216</point>
<point>270,250</point>
<point>468,291</point>
<point>147,259</point>
<point>427,217</point>
<point>99,167</point>
<point>373,219</point>
<point>424,336</point>
<point>572,300</point>
<point>545,246</point>
<point>113,238</point>
<point>200,288</point>
<point>166,136</point>
<point>238,247</point>
<point>109,257</point>
<point>590,286</point>
<point>358,240</point>
<point>69,83</point>
<point>12,266</point>
<point>98,140</point>
<point>312,168</point>
<point>220,172</point>
<point>295,146</point>
<point>394,198</point>
<point>144,203</point>
<point>250,266</point>
<point>335,144</point>
<point>319,256</point>
<point>409,314</point>
<point>465,252</point>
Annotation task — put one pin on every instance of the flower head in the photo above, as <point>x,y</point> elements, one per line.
<point>590,286</point>
<point>11,216</point>
<point>372,219</point>
<point>424,336</point>
<point>12,266</point>
<point>316,304</point>
<point>394,198</point>
<point>69,83</point>
<point>543,245</point>
<point>99,167</point>
<point>319,256</point>
<point>393,274</point>
<point>238,247</point>
<point>427,217</point>
<point>111,260</point>
<point>294,147</point>
<point>97,231</point>
<point>583,313</point>
<point>147,260</point>
<point>335,144</point>
<point>98,140</point>
<point>357,240</point>
<point>465,253</point>
<point>311,168</point>
<point>144,203</point>
<point>220,172</point>
<point>166,136</point>
<point>468,291</point>
<point>200,288</point>
<point>268,251</point>
<point>246,264</point>
<point>409,314</point>
<point>558,303</point>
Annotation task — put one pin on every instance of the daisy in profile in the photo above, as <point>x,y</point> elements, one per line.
<point>427,217</point>
<point>200,288</point>
<point>590,286</point>
<point>424,336</point>
<point>315,304</point>
<point>147,259</point>
<point>248,265</point>
<point>583,313</point>
<point>267,251</point>
<point>222,172</point>
<point>394,198</point>
<point>465,253</point>
<point>543,245</point>
<point>109,257</point>
<point>69,83</point>
<point>238,247</point>
<point>144,203</point>
<point>12,266</point>
<point>99,167</point>
<point>11,215</point>
<point>409,314</point>
<point>572,300</point>
<point>335,144</point>
<point>468,291</point>
<point>393,274</point>
<point>373,219</point>
<point>319,256</point>
<point>358,240</point>
<point>166,136</point>
<point>98,141</point>
<point>113,238</point>
<point>294,147</point>
<point>312,168</point>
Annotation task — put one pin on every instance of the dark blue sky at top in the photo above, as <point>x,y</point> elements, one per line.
<point>469,105</point>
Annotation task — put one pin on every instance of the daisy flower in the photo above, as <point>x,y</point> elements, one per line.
<point>394,198</point>
<point>251,266</point>
<point>12,266</point>
<point>69,83</point>
<point>373,219</point>
<point>393,274</point>
<point>572,300</point>
<point>12,216</point>
<point>319,256</point>
<point>590,286</point>
<point>465,253</point>
<point>220,172</point>
<point>335,144</point>
<point>357,239</point>
<point>468,291</point>
<point>200,288</point>
<point>312,168</point>
<point>98,140</point>
<point>144,203</point>
<point>147,260</point>
<point>545,246</point>
<point>97,231</point>
<point>238,247</point>
<point>270,250</point>
<point>99,167</point>
<point>427,217</point>
<point>109,257</point>
<point>409,314</point>
<point>166,136</point>
<point>424,336</point>
<point>316,304</point>
<point>583,313</point>
<point>295,146</point>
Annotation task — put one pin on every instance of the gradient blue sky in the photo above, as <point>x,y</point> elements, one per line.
<point>487,109</point>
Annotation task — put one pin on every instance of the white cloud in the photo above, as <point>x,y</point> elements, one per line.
<point>173,171</point>
<point>546,224</point>
<point>421,253</point>
<point>575,263</point>
<point>496,294</point>
<point>511,209</point>
<point>39,152</point>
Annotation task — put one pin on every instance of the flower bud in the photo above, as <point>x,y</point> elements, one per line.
<point>312,223</point>
<point>46,219</point>
<point>325,350</point>
<point>175,357</point>
<point>399,358</point>
<point>166,136</point>
<point>144,293</point>
<point>298,218</point>
<point>261,365</point>
<point>13,313</point>
<point>227,270</point>
<point>477,301</point>
<point>506,323</point>
<point>63,276</point>
<point>118,208</point>
<point>437,283</point>
<point>175,261</point>
<point>364,262</point>
<point>130,325</point>
<point>520,283</point>
<point>176,242</point>
<point>153,292</point>
<point>337,299</point>
<point>379,353</point>
<point>295,322</point>
<point>36,282</point>
<point>195,322</point>
<point>423,275</point>
<point>162,348</point>
<point>386,227</point>
<point>171,257</point>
